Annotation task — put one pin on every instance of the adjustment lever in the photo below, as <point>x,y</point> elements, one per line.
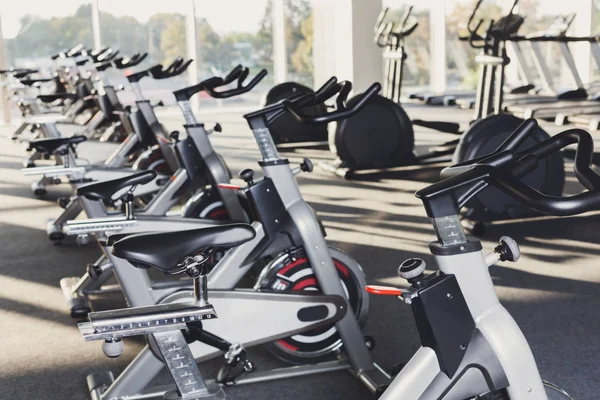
<point>216,128</point>
<point>384,290</point>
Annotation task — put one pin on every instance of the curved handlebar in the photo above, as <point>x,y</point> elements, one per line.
<point>108,55</point>
<point>176,68</point>
<point>240,89</point>
<point>386,34</point>
<point>122,63</point>
<point>503,168</point>
<point>209,85</point>
<point>233,75</point>
<point>342,112</point>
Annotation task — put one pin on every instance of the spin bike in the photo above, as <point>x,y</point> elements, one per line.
<point>471,346</point>
<point>283,223</point>
<point>201,170</point>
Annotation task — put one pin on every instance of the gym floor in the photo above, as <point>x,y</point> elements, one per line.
<point>552,291</point>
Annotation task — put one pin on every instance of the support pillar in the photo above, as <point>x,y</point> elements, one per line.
<point>3,89</point>
<point>96,25</point>
<point>582,26</point>
<point>279,47</point>
<point>343,42</point>
<point>192,49</point>
<point>437,35</point>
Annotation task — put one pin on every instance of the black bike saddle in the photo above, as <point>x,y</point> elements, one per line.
<point>104,190</point>
<point>166,250</point>
<point>50,145</point>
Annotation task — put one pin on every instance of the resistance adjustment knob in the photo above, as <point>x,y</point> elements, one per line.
<point>412,269</point>
<point>248,176</point>
<point>508,249</point>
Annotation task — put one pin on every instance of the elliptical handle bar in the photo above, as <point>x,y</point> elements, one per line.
<point>336,115</point>
<point>240,89</point>
<point>109,55</point>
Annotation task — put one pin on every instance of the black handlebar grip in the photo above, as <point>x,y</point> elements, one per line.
<point>174,65</point>
<point>233,75</point>
<point>240,89</point>
<point>345,89</point>
<point>185,93</point>
<point>519,135</point>
<point>327,86</point>
<point>103,66</point>
<point>335,115</point>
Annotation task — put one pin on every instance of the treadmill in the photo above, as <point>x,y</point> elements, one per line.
<point>590,118</point>
<point>570,102</point>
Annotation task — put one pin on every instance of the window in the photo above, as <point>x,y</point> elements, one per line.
<point>35,29</point>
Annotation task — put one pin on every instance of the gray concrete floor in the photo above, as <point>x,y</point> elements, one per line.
<point>552,291</point>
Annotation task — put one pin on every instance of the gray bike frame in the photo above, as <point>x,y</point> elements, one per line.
<point>235,264</point>
<point>498,346</point>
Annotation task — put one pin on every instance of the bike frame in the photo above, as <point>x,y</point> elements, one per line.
<point>497,356</point>
<point>235,264</point>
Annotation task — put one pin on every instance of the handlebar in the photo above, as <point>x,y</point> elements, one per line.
<point>233,75</point>
<point>75,51</point>
<point>383,31</point>
<point>341,112</point>
<point>123,63</point>
<point>209,85</point>
<point>503,168</point>
<point>240,89</point>
<point>176,68</point>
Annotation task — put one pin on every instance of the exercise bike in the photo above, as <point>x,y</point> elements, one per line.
<point>471,346</point>
<point>285,225</point>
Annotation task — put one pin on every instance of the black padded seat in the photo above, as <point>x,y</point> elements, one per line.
<point>23,74</point>
<point>49,98</point>
<point>31,82</point>
<point>50,145</point>
<point>166,250</point>
<point>103,190</point>
<point>114,238</point>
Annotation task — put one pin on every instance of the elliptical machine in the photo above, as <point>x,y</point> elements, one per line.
<point>381,136</point>
<point>373,138</point>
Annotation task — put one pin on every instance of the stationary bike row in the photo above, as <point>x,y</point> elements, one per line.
<point>147,135</point>
<point>191,164</point>
<point>295,322</point>
<point>200,169</point>
<point>109,123</point>
<point>75,99</point>
<point>381,136</point>
<point>64,81</point>
<point>471,346</point>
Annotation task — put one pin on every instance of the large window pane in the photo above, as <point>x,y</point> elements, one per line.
<point>226,39</point>
<point>299,40</point>
<point>35,29</point>
<point>158,29</point>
